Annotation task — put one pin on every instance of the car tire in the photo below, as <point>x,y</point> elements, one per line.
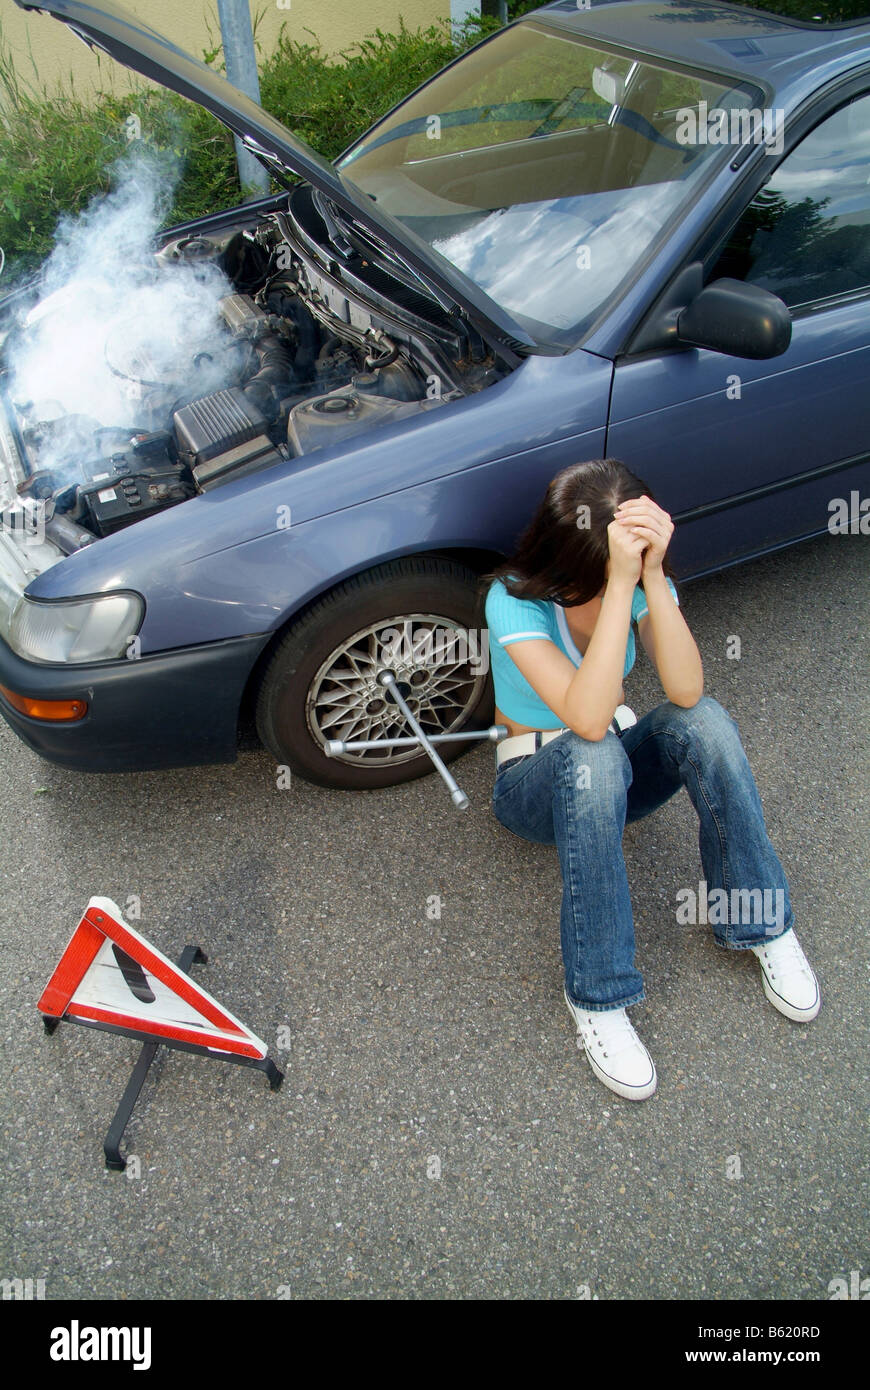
<point>419,617</point>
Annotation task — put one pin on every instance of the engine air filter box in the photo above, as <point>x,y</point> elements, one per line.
<point>215,424</point>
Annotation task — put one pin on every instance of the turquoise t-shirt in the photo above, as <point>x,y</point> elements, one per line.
<point>510,619</point>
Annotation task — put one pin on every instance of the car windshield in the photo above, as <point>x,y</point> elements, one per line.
<point>545,169</point>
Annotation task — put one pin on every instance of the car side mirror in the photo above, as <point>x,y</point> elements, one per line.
<point>732,317</point>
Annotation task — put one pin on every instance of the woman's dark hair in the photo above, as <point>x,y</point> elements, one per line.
<point>563,551</point>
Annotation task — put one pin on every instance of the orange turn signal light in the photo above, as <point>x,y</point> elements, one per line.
<point>57,711</point>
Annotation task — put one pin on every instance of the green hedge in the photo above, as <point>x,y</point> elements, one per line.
<point>57,151</point>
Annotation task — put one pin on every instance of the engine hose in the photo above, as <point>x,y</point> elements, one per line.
<point>306,331</point>
<point>275,370</point>
<point>372,363</point>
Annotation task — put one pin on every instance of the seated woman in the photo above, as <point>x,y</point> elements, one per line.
<point>559,614</point>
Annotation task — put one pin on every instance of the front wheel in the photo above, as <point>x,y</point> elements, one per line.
<point>422,619</point>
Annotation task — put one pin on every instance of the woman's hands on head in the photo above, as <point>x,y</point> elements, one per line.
<point>650,525</point>
<point>626,553</point>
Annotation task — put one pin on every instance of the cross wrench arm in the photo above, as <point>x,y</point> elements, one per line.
<point>457,795</point>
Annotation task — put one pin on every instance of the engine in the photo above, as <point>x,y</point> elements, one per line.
<point>283,375</point>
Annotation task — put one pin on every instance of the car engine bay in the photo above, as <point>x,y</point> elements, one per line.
<point>309,352</point>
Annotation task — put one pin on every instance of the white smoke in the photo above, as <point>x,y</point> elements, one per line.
<point>116,338</point>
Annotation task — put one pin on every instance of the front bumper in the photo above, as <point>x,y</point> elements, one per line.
<point>171,709</point>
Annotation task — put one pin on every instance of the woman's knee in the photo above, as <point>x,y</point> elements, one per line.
<point>599,766</point>
<point>707,725</point>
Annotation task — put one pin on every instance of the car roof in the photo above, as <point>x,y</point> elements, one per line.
<point>752,44</point>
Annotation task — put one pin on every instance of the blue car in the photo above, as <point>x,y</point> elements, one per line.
<point>637,229</point>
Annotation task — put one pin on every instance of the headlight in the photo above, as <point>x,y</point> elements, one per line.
<point>86,629</point>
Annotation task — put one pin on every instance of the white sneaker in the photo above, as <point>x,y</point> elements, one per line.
<point>615,1052</point>
<point>788,980</point>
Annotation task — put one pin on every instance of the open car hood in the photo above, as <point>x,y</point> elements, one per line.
<point>132,42</point>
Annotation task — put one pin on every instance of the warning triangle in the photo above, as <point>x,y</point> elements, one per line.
<point>110,974</point>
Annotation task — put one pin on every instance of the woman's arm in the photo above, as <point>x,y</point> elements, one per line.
<point>584,698</point>
<point>670,645</point>
<point>664,632</point>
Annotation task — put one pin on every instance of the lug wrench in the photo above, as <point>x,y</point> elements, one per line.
<point>334,746</point>
<point>494,733</point>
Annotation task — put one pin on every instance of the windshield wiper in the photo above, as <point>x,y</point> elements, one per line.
<point>364,242</point>
<point>339,241</point>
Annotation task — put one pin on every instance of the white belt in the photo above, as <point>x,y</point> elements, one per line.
<point>521,745</point>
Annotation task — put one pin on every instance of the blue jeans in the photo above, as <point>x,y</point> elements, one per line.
<point>579,795</point>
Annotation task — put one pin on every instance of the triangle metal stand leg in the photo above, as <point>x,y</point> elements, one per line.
<point>112,1142</point>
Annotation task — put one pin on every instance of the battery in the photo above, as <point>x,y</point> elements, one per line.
<point>125,494</point>
<point>119,502</point>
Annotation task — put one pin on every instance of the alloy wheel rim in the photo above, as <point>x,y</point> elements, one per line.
<point>440,668</point>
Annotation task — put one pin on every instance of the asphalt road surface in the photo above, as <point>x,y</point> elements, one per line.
<point>438,1133</point>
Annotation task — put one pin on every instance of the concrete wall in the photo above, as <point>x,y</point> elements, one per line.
<point>45,53</point>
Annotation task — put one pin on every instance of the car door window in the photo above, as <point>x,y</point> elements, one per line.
<point>806,234</point>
